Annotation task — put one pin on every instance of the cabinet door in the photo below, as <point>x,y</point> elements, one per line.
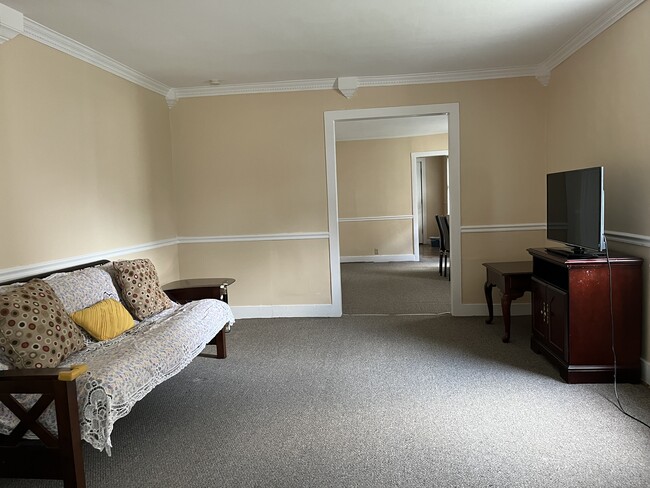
<point>540,327</point>
<point>557,311</point>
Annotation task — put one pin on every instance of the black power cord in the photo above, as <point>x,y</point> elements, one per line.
<point>611,317</point>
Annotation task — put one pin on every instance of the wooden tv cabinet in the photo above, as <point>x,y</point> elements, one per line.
<point>572,319</point>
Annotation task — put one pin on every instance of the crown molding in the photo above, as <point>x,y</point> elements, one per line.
<point>598,26</point>
<point>47,36</point>
<point>448,76</point>
<point>473,229</point>
<point>12,23</point>
<point>363,81</point>
<point>248,88</point>
<point>292,236</point>
<point>541,72</point>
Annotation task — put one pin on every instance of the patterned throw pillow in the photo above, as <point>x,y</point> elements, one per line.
<point>140,288</point>
<point>35,330</point>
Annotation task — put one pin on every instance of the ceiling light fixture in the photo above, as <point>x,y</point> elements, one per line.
<point>215,82</point>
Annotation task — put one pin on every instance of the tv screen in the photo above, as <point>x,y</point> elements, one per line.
<point>575,206</point>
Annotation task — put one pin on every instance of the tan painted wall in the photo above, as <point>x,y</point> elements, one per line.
<point>389,237</point>
<point>86,165</point>
<point>599,114</point>
<point>165,259</point>
<point>374,180</point>
<point>85,159</point>
<point>255,164</point>
<point>494,247</point>
<point>275,272</point>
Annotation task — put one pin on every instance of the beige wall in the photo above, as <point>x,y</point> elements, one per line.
<point>275,272</point>
<point>387,237</point>
<point>374,180</point>
<point>85,158</point>
<point>253,165</point>
<point>599,114</point>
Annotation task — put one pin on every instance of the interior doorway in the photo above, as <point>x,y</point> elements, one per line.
<point>330,118</point>
<point>430,171</point>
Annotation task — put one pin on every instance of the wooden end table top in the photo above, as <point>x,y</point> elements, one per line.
<point>198,283</point>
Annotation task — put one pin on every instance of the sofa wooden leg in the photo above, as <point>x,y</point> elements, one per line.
<point>70,438</point>
<point>52,456</point>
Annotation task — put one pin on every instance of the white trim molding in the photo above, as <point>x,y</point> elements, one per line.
<point>47,266</point>
<point>627,238</point>
<point>607,19</point>
<point>374,219</point>
<point>277,311</point>
<point>297,236</point>
<point>452,110</point>
<point>51,38</point>
<point>12,23</point>
<point>347,86</point>
<point>248,88</point>
<point>480,309</point>
<point>380,258</point>
<point>542,71</point>
<point>471,229</point>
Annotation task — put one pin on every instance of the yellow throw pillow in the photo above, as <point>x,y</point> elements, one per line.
<point>104,320</point>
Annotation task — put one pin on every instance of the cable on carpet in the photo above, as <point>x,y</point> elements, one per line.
<point>611,316</point>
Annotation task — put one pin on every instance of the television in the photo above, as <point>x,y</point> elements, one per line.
<point>575,211</point>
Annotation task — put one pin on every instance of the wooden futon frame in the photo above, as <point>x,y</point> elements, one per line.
<point>50,456</point>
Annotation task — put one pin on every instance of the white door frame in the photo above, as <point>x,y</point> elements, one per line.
<point>414,165</point>
<point>453,112</point>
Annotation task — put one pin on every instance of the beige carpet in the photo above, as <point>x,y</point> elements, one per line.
<point>396,288</point>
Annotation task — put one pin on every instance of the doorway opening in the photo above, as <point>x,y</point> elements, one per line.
<point>330,118</point>
<point>430,170</point>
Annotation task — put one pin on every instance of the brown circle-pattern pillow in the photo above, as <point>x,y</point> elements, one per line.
<point>35,330</point>
<point>140,288</point>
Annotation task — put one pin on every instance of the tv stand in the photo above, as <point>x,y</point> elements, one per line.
<point>575,253</point>
<point>572,315</point>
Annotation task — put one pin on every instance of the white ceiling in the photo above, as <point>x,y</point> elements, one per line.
<point>185,43</point>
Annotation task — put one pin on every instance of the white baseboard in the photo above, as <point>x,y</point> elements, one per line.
<point>275,311</point>
<point>328,310</point>
<point>478,309</point>
<point>645,371</point>
<point>379,258</point>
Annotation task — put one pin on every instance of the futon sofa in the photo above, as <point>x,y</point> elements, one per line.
<point>92,341</point>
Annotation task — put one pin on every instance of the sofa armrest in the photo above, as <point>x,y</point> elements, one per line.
<point>32,374</point>
<point>61,455</point>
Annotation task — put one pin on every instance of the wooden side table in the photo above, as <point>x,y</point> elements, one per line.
<point>183,291</point>
<point>513,279</point>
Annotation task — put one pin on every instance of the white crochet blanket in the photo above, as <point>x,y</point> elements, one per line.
<point>123,370</point>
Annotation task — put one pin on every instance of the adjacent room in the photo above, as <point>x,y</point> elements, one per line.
<point>268,236</point>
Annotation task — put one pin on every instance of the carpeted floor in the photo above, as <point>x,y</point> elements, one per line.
<point>376,401</point>
<point>396,288</point>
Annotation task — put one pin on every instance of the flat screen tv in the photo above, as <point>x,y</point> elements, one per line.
<point>575,211</point>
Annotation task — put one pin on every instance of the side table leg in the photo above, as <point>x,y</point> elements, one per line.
<point>220,342</point>
<point>223,296</point>
<point>506,300</point>
<point>488,298</point>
